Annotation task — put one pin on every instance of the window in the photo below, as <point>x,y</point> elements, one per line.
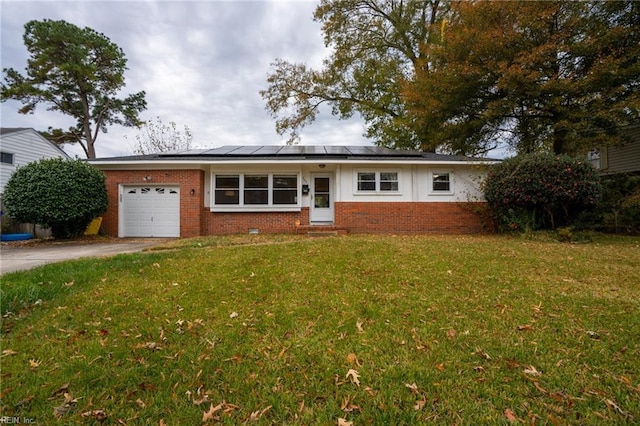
<point>366,181</point>
<point>285,189</point>
<point>376,182</point>
<point>6,158</point>
<point>441,182</point>
<point>227,189</point>
<point>255,190</point>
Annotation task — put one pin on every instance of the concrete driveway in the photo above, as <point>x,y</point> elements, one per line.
<point>17,258</point>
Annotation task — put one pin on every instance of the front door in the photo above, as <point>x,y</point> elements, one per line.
<point>321,209</point>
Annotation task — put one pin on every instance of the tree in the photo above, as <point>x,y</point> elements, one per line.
<point>541,190</point>
<point>376,46</point>
<point>557,76</point>
<point>77,72</point>
<point>65,195</point>
<point>159,137</point>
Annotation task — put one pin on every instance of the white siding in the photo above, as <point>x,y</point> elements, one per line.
<point>414,180</point>
<point>27,146</point>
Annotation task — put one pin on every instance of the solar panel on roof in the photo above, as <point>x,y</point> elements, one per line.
<point>336,150</point>
<point>268,150</point>
<point>222,150</point>
<point>291,150</point>
<point>244,150</point>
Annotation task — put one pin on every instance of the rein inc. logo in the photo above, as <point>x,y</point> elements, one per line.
<point>7,420</point>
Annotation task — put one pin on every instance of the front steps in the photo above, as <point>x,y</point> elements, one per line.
<point>321,230</point>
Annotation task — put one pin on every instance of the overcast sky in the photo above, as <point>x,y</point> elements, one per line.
<point>201,63</point>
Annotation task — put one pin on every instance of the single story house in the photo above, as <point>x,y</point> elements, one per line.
<point>287,189</point>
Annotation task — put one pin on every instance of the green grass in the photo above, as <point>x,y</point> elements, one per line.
<point>450,330</point>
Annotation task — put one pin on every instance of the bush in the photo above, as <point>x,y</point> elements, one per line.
<point>619,211</point>
<point>64,195</point>
<point>541,191</point>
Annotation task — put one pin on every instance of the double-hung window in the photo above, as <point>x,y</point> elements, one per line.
<point>377,182</point>
<point>441,182</point>
<point>255,191</point>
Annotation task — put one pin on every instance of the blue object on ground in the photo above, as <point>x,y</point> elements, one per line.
<point>15,237</point>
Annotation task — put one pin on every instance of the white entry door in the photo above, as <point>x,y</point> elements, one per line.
<point>150,211</point>
<point>321,209</point>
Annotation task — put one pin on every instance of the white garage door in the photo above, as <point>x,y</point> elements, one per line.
<point>150,211</point>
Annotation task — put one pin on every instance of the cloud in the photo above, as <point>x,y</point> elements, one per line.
<point>201,63</point>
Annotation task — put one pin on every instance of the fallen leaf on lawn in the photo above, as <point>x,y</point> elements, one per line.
<point>98,415</point>
<point>162,423</point>
<point>8,352</point>
<point>482,353</point>
<point>420,404</point>
<point>353,376</point>
<point>233,315</point>
<point>152,346</point>
<point>141,403</point>
<point>156,265</point>
<point>412,387</point>
<point>540,388</point>
<point>359,326</point>
<point>451,333</point>
<point>353,359</point>
<point>440,367</point>
<point>510,416</point>
<point>612,405</point>
<point>62,389</point>
<point>370,391</point>
<point>525,327</point>
<point>209,415</point>
<point>347,405</point>
<point>255,416</point>
<point>344,422</point>
<point>23,401</point>
<point>532,371</point>
<point>34,364</point>
<point>67,406</point>
<point>69,284</point>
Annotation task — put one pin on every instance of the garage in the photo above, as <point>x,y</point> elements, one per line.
<point>150,211</point>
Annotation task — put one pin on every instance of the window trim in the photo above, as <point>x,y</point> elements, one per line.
<point>377,173</point>
<point>270,206</point>
<point>433,191</point>
<point>12,156</point>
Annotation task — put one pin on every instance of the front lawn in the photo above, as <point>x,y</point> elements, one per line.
<point>348,330</point>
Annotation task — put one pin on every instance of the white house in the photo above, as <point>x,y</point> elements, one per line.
<point>21,146</point>
<point>18,147</point>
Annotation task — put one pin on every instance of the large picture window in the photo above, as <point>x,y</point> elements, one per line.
<point>377,182</point>
<point>234,191</point>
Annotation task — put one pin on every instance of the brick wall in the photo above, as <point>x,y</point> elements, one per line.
<point>191,224</point>
<point>409,218</point>
<point>265,223</point>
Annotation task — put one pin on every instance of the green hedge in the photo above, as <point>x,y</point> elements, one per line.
<point>64,195</point>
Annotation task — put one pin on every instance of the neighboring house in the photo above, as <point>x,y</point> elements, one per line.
<point>286,189</point>
<point>612,160</point>
<point>19,147</point>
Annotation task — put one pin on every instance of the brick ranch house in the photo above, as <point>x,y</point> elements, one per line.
<point>287,189</point>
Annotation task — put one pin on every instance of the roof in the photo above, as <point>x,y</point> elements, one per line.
<point>7,130</point>
<point>255,153</point>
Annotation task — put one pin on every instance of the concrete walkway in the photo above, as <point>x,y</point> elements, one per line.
<point>17,258</point>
